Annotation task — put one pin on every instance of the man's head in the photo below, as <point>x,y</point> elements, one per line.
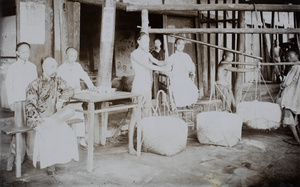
<point>23,50</point>
<point>49,67</point>
<point>143,41</point>
<point>292,56</point>
<point>157,43</point>
<point>228,56</point>
<point>179,44</point>
<point>71,55</point>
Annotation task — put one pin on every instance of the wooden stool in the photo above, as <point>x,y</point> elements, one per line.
<point>11,130</point>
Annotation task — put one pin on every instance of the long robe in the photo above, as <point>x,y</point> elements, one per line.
<point>183,88</point>
<point>55,143</point>
<point>290,96</point>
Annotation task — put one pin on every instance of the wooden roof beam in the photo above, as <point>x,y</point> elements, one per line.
<point>215,7</point>
<point>226,30</point>
<point>119,5</point>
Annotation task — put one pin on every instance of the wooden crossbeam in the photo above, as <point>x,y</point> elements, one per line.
<point>119,5</point>
<point>263,63</point>
<point>226,30</point>
<point>219,47</point>
<point>215,7</point>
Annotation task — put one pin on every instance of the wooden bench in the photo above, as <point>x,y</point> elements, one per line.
<point>11,130</point>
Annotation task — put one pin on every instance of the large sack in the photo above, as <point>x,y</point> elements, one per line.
<point>164,135</point>
<point>260,115</point>
<point>219,128</point>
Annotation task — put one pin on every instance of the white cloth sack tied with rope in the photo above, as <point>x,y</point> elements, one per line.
<point>164,135</point>
<point>260,115</point>
<point>219,128</point>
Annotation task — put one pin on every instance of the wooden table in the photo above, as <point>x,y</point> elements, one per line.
<point>92,97</point>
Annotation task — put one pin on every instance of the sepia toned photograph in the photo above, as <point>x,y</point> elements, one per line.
<point>150,93</point>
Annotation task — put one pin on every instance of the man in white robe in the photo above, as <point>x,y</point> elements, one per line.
<point>19,75</point>
<point>72,72</point>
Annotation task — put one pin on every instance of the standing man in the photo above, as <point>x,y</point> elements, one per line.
<point>19,75</point>
<point>72,72</point>
<point>290,97</point>
<point>142,65</point>
<point>159,54</point>
<point>224,89</point>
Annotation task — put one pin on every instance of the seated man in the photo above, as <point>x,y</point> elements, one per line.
<point>54,141</point>
<point>290,97</point>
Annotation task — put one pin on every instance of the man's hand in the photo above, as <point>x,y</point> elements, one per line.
<point>60,104</point>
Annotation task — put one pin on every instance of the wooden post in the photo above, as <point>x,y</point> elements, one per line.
<point>107,43</point>
<point>204,57</point>
<point>199,68</point>
<point>145,21</point>
<point>91,115</point>
<point>240,58</point>
<point>57,6</point>
<point>63,29</point>
<point>73,24</point>
<point>19,118</point>
<point>103,125</point>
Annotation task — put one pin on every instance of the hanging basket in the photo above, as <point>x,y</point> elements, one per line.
<point>164,135</point>
<point>260,115</point>
<point>219,128</point>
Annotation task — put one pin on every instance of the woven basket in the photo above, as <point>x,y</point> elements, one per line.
<point>219,128</point>
<point>164,135</point>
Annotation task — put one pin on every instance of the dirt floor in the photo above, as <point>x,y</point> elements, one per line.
<point>261,158</point>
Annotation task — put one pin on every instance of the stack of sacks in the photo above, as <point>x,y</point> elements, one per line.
<point>219,128</point>
<point>260,115</point>
<point>164,135</point>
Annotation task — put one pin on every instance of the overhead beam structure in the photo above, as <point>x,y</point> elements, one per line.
<point>215,7</point>
<point>219,47</point>
<point>226,30</point>
<point>119,5</point>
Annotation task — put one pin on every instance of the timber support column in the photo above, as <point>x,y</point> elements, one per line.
<point>106,57</point>
<point>240,58</point>
<point>106,43</point>
<point>145,21</point>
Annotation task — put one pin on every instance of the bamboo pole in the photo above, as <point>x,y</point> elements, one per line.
<point>219,47</point>
<point>215,7</point>
<point>227,30</point>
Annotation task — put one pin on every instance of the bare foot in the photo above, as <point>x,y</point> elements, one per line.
<point>132,151</point>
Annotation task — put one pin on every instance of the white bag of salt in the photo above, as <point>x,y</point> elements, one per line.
<point>164,135</point>
<point>260,115</point>
<point>219,128</point>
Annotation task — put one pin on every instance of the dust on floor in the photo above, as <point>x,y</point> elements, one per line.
<point>261,158</point>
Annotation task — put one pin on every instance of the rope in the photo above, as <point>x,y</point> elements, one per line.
<point>267,88</point>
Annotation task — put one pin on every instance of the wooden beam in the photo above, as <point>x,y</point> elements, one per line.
<point>219,47</point>
<point>227,30</point>
<point>215,7</point>
<point>119,5</point>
